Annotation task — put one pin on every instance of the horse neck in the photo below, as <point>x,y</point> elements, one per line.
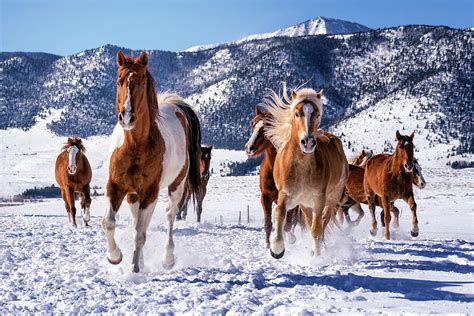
<point>270,154</point>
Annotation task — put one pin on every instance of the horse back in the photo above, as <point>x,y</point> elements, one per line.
<point>355,183</point>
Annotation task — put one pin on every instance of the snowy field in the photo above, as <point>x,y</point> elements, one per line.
<point>46,265</point>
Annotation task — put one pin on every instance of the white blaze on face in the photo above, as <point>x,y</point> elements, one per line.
<point>308,111</point>
<point>128,102</point>
<point>254,136</point>
<point>72,152</point>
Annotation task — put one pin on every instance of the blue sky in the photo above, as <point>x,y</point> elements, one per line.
<point>69,26</point>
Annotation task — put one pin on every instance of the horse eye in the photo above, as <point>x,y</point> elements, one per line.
<point>118,83</point>
<point>297,114</point>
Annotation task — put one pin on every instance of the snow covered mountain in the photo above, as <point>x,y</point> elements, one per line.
<point>317,26</point>
<point>409,77</point>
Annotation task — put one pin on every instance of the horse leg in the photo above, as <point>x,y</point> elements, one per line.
<point>370,196</point>
<point>290,224</point>
<point>396,215</point>
<point>66,204</point>
<point>386,212</point>
<point>277,244</point>
<point>72,206</point>
<point>318,225</point>
<point>141,217</point>
<point>181,214</point>
<point>86,204</point>
<point>414,221</point>
<point>361,213</point>
<point>267,216</point>
<point>171,209</point>
<point>114,198</point>
<point>200,198</point>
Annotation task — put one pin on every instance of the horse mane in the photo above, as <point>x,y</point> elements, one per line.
<point>74,141</point>
<point>151,96</point>
<point>281,110</point>
<point>352,160</point>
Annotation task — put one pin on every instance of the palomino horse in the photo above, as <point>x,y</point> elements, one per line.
<point>257,144</point>
<point>390,178</point>
<point>156,144</point>
<point>310,168</point>
<point>204,168</point>
<point>73,174</point>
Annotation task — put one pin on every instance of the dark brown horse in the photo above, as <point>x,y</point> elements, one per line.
<point>156,145</point>
<point>205,167</point>
<point>258,144</point>
<point>73,174</point>
<point>390,177</point>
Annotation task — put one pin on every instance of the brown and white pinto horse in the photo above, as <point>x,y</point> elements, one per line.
<point>73,174</point>
<point>310,168</point>
<point>390,177</point>
<point>156,145</point>
<point>258,144</point>
<point>204,168</point>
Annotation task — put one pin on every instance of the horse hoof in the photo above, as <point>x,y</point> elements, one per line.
<point>373,232</point>
<point>135,269</point>
<point>414,234</point>
<point>277,256</point>
<point>115,262</point>
<point>168,264</point>
<point>86,223</point>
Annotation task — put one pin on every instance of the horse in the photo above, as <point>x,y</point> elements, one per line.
<point>258,144</point>
<point>156,144</point>
<point>204,167</point>
<point>310,169</point>
<point>355,188</point>
<point>73,174</point>
<point>390,177</point>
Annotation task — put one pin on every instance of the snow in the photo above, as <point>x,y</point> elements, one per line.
<point>48,266</point>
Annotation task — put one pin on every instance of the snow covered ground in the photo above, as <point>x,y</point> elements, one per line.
<point>46,265</point>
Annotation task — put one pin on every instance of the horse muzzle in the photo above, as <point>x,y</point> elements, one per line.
<point>250,150</point>
<point>308,144</point>
<point>71,170</point>
<point>126,120</point>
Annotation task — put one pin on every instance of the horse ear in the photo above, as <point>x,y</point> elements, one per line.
<point>363,152</point>
<point>120,58</point>
<point>319,94</point>
<point>412,135</point>
<point>294,95</point>
<point>142,59</point>
<point>258,110</point>
<point>399,136</point>
<point>210,147</point>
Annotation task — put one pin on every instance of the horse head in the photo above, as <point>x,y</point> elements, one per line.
<point>418,178</point>
<point>206,162</point>
<point>257,142</point>
<point>74,148</point>
<point>307,113</point>
<point>404,151</point>
<point>134,88</point>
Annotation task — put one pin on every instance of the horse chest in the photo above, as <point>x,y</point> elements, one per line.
<point>137,172</point>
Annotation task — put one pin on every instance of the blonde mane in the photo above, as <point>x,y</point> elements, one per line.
<point>281,110</point>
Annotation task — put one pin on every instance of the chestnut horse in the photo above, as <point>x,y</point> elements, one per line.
<point>310,169</point>
<point>390,177</point>
<point>204,168</point>
<point>355,188</point>
<point>156,144</point>
<point>73,174</point>
<point>257,144</point>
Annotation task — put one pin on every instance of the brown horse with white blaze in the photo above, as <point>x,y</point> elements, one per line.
<point>311,168</point>
<point>156,145</point>
<point>73,174</point>
<point>257,145</point>
<point>390,177</point>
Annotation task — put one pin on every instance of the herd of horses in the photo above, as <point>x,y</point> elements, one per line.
<point>156,144</point>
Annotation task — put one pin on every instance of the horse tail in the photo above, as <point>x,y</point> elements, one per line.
<point>194,184</point>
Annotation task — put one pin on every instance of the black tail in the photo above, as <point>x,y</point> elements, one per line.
<point>193,181</point>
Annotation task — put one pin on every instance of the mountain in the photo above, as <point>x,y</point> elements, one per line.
<point>408,78</point>
<point>317,26</point>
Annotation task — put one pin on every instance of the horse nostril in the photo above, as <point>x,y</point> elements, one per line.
<point>132,118</point>
<point>303,142</point>
<point>252,148</point>
<point>120,117</point>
